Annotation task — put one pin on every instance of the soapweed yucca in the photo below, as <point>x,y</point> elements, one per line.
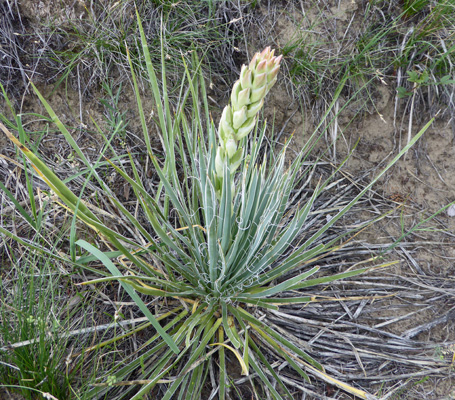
<point>221,238</point>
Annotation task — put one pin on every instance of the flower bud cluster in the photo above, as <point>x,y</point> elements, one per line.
<point>247,97</point>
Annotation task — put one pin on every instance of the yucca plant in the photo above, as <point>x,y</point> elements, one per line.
<point>225,237</point>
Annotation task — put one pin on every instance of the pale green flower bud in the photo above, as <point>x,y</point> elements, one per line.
<point>246,128</point>
<point>231,147</point>
<point>254,108</point>
<point>272,74</point>
<point>258,94</point>
<point>239,117</point>
<point>235,94</point>
<point>236,160</point>
<point>226,130</point>
<point>243,98</point>
<point>253,62</point>
<point>219,161</point>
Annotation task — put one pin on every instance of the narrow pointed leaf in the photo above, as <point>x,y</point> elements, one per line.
<point>114,270</point>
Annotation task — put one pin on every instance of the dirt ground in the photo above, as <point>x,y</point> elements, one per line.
<point>424,181</point>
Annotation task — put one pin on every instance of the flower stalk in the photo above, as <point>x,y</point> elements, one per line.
<point>239,116</point>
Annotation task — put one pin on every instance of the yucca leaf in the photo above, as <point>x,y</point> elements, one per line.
<point>128,368</point>
<point>331,278</point>
<point>222,358</point>
<point>164,365</point>
<point>196,319</point>
<point>246,350</point>
<point>282,287</point>
<point>114,271</point>
<point>208,335</point>
<point>287,238</point>
<point>264,379</point>
<point>90,258</point>
<point>277,301</point>
<point>225,212</point>
<point>290,263</point>
<point>257,352</point>
<point>281,351</point>
<point>227,322</point>
<point>66,195</point>
<point>241,313</point>
<point>257,302</point>
<point>48,176</point>
<point>199,377</point>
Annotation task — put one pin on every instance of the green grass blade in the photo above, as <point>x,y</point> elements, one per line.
<point>19,208</point>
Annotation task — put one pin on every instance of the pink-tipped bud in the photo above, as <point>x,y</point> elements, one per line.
<point>272,74</point>
<point>243,71</point>
<point>259,80</point>
<point>261,67</point>
<point>253,61</point>
<point>246,78</point>
<point>265,52</point>
<point>243,98</point>
<point>235,93</point>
